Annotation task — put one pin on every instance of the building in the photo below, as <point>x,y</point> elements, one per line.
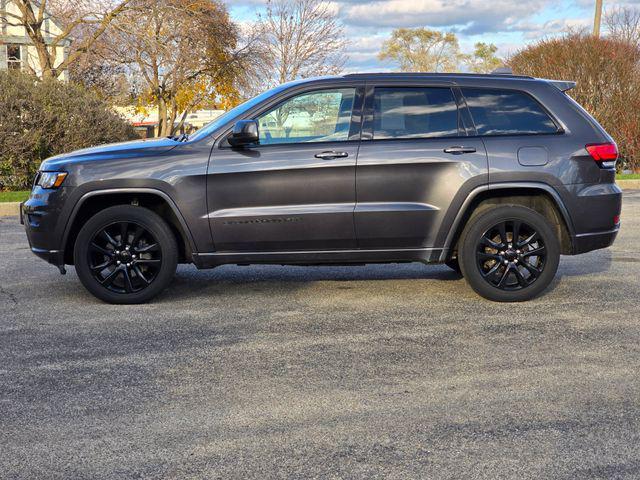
<point>16,49</point>
<point>146,123</point>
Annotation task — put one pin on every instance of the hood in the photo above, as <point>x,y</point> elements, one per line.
<point>135,148</point>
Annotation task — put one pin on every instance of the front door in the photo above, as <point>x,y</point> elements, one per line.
<point>295,191</point>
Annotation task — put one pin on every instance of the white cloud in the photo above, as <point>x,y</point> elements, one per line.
<point>468,16</point>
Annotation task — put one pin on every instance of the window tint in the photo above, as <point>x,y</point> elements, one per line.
<point>319,116</point>
<point>506,112</point>
<point>414,113</point>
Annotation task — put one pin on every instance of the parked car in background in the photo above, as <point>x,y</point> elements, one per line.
<point>494,175</point>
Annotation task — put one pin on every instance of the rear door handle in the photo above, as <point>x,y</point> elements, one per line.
<point>331,155</point>
<point>459,150</point>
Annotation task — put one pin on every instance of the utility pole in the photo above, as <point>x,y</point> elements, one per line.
<point>597,19</point>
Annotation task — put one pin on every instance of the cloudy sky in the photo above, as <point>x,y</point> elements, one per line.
<point>509,24</point>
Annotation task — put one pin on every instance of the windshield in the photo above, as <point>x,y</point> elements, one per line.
<point>231,114</point>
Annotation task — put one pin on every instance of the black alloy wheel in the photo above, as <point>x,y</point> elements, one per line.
<point>511,255</point>
<point>125,254</point>
<point>124,257</point>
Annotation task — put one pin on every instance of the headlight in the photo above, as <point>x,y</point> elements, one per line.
<point>51,179</point>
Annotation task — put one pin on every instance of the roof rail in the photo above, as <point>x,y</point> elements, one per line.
<point>502,71</point>
<point>432,74</point>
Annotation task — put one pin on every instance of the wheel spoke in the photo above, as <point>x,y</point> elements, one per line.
<point>109,238</point>
<point>491,271</point>
<point>124,234</point>
<point>94,246</point>
<point>502,228</point>
<point>535,272</point>
<point>505,275</point>
<point>521,280</point>
<point>148,260</point>
<point>516,231</point>
<point>140,274</point>
<point>148,248</point>
<point>136,236</point>
<point>489,243</point>
<point>489,256</point>
<point>108,280</point>
<point>535,251</point>
<point>128,286</point>
<point>529,239</point>
<point>102,266</point>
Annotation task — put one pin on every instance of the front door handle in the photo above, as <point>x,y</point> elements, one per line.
<point>459,150</point>
<point>331,155</point>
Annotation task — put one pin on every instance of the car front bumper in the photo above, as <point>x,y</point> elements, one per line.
<point>41,218</point>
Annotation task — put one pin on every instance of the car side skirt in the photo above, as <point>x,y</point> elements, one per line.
<point>317,257</point>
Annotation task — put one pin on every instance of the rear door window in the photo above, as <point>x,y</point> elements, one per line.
<point>507,112</point>
<point>415,112</point>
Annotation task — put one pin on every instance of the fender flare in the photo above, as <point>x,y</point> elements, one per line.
<point>111,191</point>
<point>503,186</point>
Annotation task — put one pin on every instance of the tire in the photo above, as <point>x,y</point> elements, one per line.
<point>131,271</point>
<point>530,267</point>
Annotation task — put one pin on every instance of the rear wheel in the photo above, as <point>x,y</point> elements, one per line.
<point>509,253</point>
<point>125,254</point>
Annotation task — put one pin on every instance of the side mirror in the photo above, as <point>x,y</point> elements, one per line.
<point>245,132</point>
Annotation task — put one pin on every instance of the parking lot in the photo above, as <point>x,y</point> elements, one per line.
<point>381,371</point>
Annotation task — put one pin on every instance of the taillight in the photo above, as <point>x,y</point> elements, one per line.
<point>605,154</point>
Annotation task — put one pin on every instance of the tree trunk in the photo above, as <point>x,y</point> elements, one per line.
<point>162,117</point>
<point>33,28</point>
<point>44,56</point>
<point>172,117</point>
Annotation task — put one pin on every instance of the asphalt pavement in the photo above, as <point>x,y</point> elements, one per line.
<point>380,371</point>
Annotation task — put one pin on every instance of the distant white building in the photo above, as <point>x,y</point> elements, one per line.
<point>16,49</point>
<point>146,124</point>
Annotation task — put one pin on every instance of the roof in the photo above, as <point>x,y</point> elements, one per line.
<point>464,79</point>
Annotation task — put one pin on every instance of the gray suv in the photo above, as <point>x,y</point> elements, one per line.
<point>493,175</point>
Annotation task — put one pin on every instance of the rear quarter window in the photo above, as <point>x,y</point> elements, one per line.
<point>507,112</point>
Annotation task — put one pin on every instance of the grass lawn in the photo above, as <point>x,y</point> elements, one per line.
<point>628,176</point>
<point>14,196</point>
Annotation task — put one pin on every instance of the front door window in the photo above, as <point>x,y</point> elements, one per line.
<point>320,116</point>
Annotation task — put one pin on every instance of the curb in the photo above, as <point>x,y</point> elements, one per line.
<point>12,209</point>
<point>9,209</point>
<point>628,184</point>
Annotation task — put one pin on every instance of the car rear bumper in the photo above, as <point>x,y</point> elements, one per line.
<point>587,242</point>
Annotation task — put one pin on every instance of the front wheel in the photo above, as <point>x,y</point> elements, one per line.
<point>509,253</point>
<point>125,254</point>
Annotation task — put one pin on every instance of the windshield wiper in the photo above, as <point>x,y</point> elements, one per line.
<point>183,137</point>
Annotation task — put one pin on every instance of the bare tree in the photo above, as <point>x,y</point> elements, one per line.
<point>184,51</point>
<point>298,39</point>
<point>422,50</point>
<point>623,23</point>
<point>72,15</point>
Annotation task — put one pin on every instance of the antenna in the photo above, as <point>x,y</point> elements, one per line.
<point>502,71</point>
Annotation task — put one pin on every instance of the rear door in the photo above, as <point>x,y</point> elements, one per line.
<point>295,190</point>
<point>415,156</point>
